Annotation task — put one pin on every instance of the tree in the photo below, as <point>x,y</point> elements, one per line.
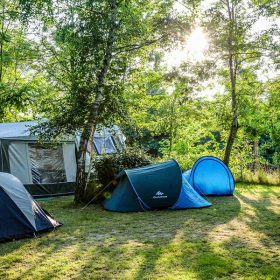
<point>88,52</point>
<point>230,24</point>
<point>19,80</point>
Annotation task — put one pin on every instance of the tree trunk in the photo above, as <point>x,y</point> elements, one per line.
<point>232,63</point>
<point>2,42</point>
<point>256,164</point>
<point>88,130</point>
<point>231,138</point>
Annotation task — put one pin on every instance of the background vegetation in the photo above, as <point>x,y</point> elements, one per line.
<point>83,63</point>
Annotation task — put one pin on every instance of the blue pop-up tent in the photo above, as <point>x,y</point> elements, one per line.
<point>156,186</point>
<point>210,176</point>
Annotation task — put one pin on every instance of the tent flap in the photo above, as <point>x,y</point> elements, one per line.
<point>189,198</point>
<point>123,198</point>
<point>150,187</point>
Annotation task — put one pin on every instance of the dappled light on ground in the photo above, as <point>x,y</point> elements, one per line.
<point>236,238</point>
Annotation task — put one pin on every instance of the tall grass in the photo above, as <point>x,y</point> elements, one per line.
<point>260,176</point>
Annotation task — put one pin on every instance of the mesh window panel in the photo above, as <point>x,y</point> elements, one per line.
<point>47,164</point>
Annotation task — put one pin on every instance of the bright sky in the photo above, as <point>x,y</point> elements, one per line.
<point>196,44</point>
<point>193,48</point>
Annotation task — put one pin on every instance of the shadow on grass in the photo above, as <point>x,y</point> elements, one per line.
<point>107,242</point>
<point>264,220</point>
<point>191,238</point>
<point>96,244</point>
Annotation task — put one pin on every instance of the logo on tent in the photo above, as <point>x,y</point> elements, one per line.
<point>159,194</point>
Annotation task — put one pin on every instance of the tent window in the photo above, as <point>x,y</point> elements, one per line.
<point>104,145</point>
<point>118,142</point>
<point>47,164</point>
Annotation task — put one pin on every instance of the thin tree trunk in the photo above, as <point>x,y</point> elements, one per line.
<point>232,63</point>
<point>256,164</point>
<point>88,131</point>
<point>231,138</point>
<point>171,127</point>
<point>2,42</point>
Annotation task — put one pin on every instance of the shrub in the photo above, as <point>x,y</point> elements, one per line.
<point>260,176</point>
<point>108,166</point>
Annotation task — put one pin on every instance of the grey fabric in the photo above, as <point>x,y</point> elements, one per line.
<point>19,162</point>
<point>70,162</point>
<point>21,130</point>
<point>16,159</point>
<point>17,192</point>
<point>16,130</point>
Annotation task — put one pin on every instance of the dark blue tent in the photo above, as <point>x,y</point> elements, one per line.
<point>20,215</point>
<point>210,176</point>
<point>156,186</point>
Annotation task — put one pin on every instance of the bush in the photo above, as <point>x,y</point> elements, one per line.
<point>108,166</point>
<point>260,176</point>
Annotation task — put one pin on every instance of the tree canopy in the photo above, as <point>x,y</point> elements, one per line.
<point>181,78</point>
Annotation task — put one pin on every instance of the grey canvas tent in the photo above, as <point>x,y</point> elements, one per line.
<point>45,170</point>
<point>20,215</point>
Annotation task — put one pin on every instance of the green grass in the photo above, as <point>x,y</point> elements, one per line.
<point>237,238</point>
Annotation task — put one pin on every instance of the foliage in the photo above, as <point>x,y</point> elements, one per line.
<point>76,49</point>
<point>22,84</point>
<point>57,62</point>
<point>170,119</point>
<point>89,51</point>
<point>262,175</point>
<point>108,166</point>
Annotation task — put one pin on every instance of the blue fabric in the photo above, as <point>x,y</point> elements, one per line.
<point>189,198</point>
<point>157,185</point>
<point>123,198</point>
<point>13,224</point>
<point>186,175</point>
<point>148,185</point>
<point>210,176</point>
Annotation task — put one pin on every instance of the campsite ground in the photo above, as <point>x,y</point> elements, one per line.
<point>237,238</point>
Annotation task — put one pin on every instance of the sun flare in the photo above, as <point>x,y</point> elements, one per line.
<point>194,48</point>
<point>196,44</point>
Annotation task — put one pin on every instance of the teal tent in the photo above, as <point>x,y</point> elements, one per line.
<point>156,186</point>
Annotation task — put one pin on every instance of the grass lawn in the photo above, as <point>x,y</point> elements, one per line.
<point>237,238</point>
